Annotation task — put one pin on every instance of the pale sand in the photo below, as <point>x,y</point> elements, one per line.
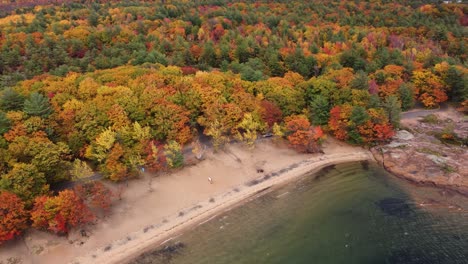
<point>144,219</point>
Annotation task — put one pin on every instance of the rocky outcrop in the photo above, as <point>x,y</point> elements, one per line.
<point>419,156</point>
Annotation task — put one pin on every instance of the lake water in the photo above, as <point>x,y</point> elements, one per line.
<point>349,213</point>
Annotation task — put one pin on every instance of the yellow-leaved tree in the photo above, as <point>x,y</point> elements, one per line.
<point>249,127</point>
<point>101,146</point>
<point>173,153</point>
<point>80,170</point>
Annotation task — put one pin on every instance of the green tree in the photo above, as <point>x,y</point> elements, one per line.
<point>273,63</point>
<point>5,157</point>
<point>406,96</point>
<point>458,83</point>
<point>360,81</point>
<point>354,137</point>
<point>4,123</point>
<point>10,100</point>
<point>50,159</point>
<point>352,59</point>
<point>298,62</point>
<point>393,108</point>
<point>26,181</point>
<point>93,19</point>
<point>359,115</point>
<point>37,105</point>
<point>374,101</point>
<point>242,51</point>
<point>208,55</point>
<point>319,86</point>
<point>249,74</point>
<point>320,108</point>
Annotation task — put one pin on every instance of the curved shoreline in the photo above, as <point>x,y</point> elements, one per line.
<point>132,245</point>
<point>461,190</point>
<point>437,182</point>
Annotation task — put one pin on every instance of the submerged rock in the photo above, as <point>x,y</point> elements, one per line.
<point>161,255</point>
<point>395,207</point>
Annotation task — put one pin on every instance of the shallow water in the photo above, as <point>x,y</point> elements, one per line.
<point>349,213</point>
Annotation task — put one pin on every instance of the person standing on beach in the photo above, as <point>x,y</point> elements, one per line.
<point>210,180</point>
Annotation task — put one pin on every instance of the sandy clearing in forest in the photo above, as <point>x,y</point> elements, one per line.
<point>146,216</point>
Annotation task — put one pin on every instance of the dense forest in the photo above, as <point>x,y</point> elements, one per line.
<point>114,86</point>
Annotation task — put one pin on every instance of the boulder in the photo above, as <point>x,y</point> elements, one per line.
<point>403,135</point>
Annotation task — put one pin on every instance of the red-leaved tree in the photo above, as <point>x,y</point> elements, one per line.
<point>96,194</point>
<point>270,113</point>
<point>338,123</point>
<point>302,136</point>
<point>13,216</point>
<point>155,159</point>
<point>60,213</point>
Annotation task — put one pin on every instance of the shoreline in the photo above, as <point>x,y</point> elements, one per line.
<point>419,181</point>
<point>132,245</point>
<point>451,188</point>
<point>419,156</point>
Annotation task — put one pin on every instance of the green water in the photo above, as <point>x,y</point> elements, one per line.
<point>350,213</point>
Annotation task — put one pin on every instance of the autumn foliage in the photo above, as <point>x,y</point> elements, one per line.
<point>368,126</point>
<point>60,213</point>
<point>155,159</point>
<point>112,87</point>
<point>271,113</point>
<point>338,123</point>
<point>302,136</point>
<point>13,216</point>
<point>96,195</point>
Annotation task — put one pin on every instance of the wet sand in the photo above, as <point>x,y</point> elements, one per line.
<point>153,210</point>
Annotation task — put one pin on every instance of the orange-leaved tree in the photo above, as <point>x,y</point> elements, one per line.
<point>13,216</point>
<point>358,125</point>
<point>155,159</point>
<point>429,88</point>
<point>301,135</point>
<point>60,213</point>
<point>339,121</point>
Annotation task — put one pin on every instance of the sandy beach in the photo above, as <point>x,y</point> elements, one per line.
<point>154,210</point>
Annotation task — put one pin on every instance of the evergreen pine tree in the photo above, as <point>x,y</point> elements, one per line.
<point>4,123</point>
<point>11,100</point>
<point>393,108</point>
<point>37,105</point>
<point>406,97</point>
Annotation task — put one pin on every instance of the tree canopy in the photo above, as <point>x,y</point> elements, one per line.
<point>114,86</point>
